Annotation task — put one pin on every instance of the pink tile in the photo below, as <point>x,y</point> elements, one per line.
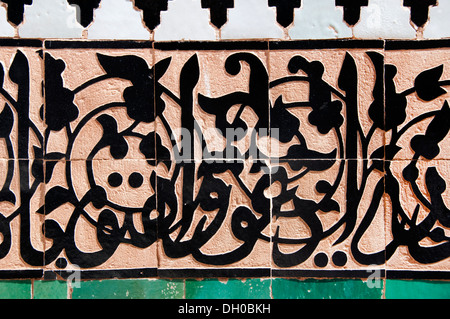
<point>308,92</point>
<point>226,90</point>
<point>23,245</point>
<point>21,98</point>
<point>421,98</point>
<point>417,223</point>
<point>102,102</point>
<point>320,223</point>
<point>106,211</point>
<point>209,220</point>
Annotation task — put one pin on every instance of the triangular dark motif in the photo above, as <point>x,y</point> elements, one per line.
<point>285,10</point>
<point>419,10</point>
<point>352,9</point>
<point>16,10</point>
<point>218,10</point>
<point>86,8</point>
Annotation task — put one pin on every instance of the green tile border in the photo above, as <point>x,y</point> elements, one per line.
<point>233,288</point>
<point>417,289</point>
<point>50,289</point>
<point>325,289</point>
<point>15,289</point>
<point>129,289</point>
<point>228,289</point>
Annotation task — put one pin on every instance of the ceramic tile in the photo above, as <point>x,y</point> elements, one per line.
<point>285,11</point>
<point>16,10</point>
<point>218,11</point>
<point>111,18</point>
<point>208,107</point>
<point>420,11</point>
<point>85,10</point>
<point>352,10</point>
<point>6,29</point>
<point>414,290</point>
<point>50,289</point>
<point>322,104</point>
<point>15,289</point>
<point>151,11</point>
<point>438,26</point>
<point>22,142</point>
<point>21,197</point>
<point>325,289</point>
<point>231,289</point>
<point>319,19</point>
<point>108,100</point>
<point>184,20</point>
<point>385,20</point>
<point>22,101</point>
<point>327,220</point>
<point>130,289</point>
<point>169,21</point>
<point>252,19</point>
<point>107,208</point>
<point>350,171</point>
<point>416,102</point>
<point>416,211</point>
<point>50,19</point>
<point>201,205</point>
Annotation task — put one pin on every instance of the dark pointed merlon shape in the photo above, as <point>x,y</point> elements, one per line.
<point>352,9</point>
<point>16,10</point>
<point>419,10</point>
<point>152,10</point>
<point>86,10</point>
<point>285,10</point>
<point>218,10</point>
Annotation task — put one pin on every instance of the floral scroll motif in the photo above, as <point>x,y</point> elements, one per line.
<point>255,200</point>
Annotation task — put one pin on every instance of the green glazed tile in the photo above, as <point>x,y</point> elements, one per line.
<point>417,289</point>
<point>15,289</point>
<point>324,289</point>
<point>129,289</point>
<point>49,289</point>
<point>229,289</point>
